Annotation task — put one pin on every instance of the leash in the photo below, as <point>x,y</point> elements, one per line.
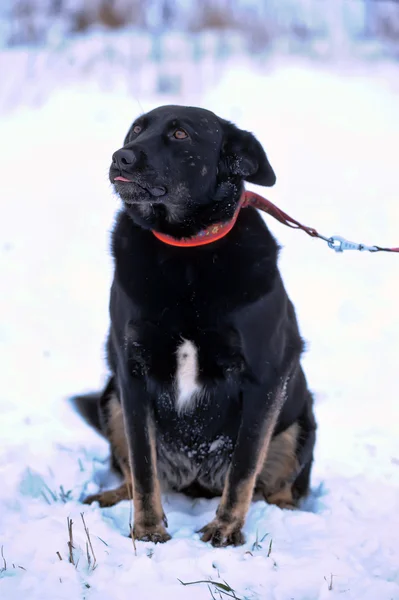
<point>218,230</point>
<point>335,242</point>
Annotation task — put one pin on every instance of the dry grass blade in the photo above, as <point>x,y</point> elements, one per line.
<point>4,560</point>
<point>101,540</point>
<point>257,545</point>
<point>52,494</point>
<point>45,497</point>
<point>133,538</point>
<point>70,541</point>
<point>330,583</point>
<point>211,593</point>
<point>65,496</point>
<point>88,555</point>
<point>222,588</point>
<point>131,522</point>
<point>90,544</point>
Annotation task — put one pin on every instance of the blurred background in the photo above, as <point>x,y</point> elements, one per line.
<point>153,46</point>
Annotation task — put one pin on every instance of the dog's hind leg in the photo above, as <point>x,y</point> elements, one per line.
<point>305,450</point>
<point>112,426</point>
<point>281,465</point>
<point>285,476</point>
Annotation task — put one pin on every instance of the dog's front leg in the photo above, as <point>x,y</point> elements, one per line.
<point>149,518</point>
<point>259,417</point>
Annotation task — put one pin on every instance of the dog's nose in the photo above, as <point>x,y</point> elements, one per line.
<point>125,158</point>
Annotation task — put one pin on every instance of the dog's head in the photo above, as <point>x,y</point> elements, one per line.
<point>182,168</point>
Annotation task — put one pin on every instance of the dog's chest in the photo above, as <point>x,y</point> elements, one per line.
<point>187,289</point>
<point>187,388</point>
<point>189,363</point>
<point>182,307</point>
<point>195,398</point>
<point>195,443</point>
<point>191,368</point>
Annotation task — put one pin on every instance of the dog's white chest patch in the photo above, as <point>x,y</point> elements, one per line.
<point>186,381</point>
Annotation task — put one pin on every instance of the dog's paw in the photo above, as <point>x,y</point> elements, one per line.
<point>155,533</point>
<point>103,499</point>
<point>110,497</point>
<point>283,498</point>
<point>219,534</point>
<point>285,505</point>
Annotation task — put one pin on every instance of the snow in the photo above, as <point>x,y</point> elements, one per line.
<point>332,139</point>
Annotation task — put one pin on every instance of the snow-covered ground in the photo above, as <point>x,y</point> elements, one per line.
<point>332,140</point>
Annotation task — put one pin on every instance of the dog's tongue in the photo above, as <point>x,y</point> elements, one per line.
<point>122,179</point>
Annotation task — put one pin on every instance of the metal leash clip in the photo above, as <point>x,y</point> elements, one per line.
<point>339,244</point>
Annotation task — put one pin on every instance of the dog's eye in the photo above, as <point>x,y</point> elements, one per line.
<point>136,129</point>
<point>180,134</point>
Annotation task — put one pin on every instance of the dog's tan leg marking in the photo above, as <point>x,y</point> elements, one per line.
<point>117,438</point>
<point>279,467</point>
<point>225,529</point>
<point>149,518</point>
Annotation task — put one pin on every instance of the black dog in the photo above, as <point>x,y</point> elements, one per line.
<point>207,395</point>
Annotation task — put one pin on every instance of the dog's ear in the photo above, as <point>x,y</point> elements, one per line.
<point>244,156</point>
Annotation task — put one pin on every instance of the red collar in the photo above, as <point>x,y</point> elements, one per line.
<point>206,236</point>
<point>219,230</point>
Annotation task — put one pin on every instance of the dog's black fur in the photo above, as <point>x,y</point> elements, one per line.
<point>252,427</point>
